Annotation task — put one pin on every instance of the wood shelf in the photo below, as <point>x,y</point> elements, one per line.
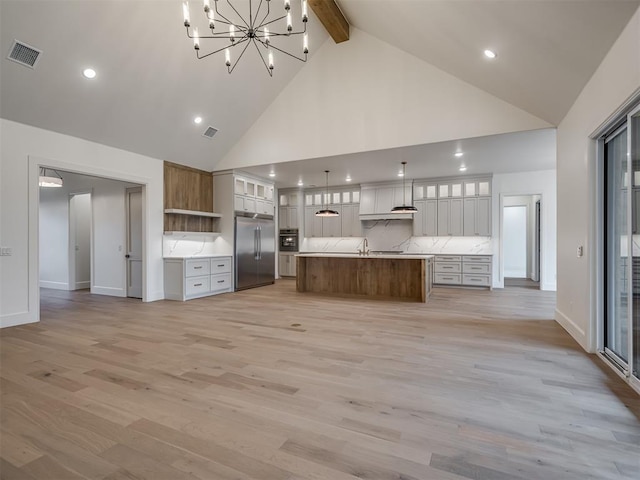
<point>195,213</point>
<point>178,232</point>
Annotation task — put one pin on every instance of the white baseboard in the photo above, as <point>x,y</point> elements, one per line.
<point>550,287</point>
<point>155,296</point>
<point>110,291</point>
<point>54,285</point>
<point>15,319</point>
<point>83,285</point>
<point>578,333</point>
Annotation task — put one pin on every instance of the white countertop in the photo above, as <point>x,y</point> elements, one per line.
<point>194,256</point>
<point>355,255</point>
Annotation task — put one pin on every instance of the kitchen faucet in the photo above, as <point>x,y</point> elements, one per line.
<point>365,247</point>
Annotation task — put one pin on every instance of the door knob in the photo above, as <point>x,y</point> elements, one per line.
<point>127,256</point>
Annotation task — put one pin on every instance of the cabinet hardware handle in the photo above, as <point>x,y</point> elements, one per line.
<point>197,284</point>
<point>197,268</point>
<point>221,265</point>
<point>220,281</point>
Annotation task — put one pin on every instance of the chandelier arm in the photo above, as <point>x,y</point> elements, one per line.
<point>266,15</point>
<point>288,34</point>
<point>225,20</point>
<point>272,21</point>
<point>230,69</point>
<point>282,51</point>
<point>242,40</point>
<point>269,71</point>
<point>238,13</point>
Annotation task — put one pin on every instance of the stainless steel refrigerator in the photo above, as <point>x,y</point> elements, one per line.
<point>255,252</point>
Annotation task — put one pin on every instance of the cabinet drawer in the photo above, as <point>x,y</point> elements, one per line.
<point>448,258</point>
<point>195,268</point>
<point>478,268</point>
<point>447,267</point>
<point>196,286</point>
<point>479,280</point>
<point>453,279</point>
<point>477,259</point>
<point>220,265</point>
<point>220,283</point>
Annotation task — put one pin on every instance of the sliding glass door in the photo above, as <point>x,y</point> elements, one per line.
<point>621,319</point>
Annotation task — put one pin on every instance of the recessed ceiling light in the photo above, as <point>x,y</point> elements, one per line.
<point>400,174</point>
<point>197,120</point>
<point>463,168</point>
<point>458,154</point>
<point>272,174</point>
<point>300,183</point>
<point>89,73</point>
<point>490,54</point>
<point>348,179</point>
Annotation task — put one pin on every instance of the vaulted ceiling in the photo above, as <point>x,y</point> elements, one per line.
<point>149,85</point>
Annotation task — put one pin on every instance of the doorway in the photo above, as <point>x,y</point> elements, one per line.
<point>521,235</point>
<point>134,242</point>
<point>79,241</point>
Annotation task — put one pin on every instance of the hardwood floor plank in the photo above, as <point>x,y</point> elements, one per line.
<point>271,384</point>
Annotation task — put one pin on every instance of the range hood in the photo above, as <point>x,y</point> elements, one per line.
<point>386,216</point>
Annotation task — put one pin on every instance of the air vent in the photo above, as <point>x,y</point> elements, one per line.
<point>210,132</point>
<point>24,54</point>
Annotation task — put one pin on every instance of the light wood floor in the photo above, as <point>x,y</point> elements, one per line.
<point>271,384</point>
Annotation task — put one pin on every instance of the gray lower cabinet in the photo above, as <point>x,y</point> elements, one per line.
<point>287,264</point>
<point>465,270</point>
<point>187,278</point>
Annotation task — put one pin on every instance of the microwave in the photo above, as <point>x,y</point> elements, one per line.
<point>289,240</point>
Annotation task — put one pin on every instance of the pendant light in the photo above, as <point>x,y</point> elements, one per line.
<point>405,208</point>
<point>327,212</point>
<point>49,180</point>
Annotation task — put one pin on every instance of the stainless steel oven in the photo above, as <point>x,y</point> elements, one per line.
<point>289,240</point>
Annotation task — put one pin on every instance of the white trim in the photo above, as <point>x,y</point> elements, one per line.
<point>613,365</point>
<point>578,334</point>
<point>54,285</point>
<point>82,285</point>
<point>634,383</point>
<point>113,292</point>
<point>16,319</point>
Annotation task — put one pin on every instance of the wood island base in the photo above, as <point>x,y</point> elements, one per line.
<point>398,277</point>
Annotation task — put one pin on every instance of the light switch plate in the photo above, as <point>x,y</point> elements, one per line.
<point>580,251</point>
<point>6,251</point>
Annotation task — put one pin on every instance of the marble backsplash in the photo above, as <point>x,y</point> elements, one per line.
<point>397,236</point>
<point>190,245</point>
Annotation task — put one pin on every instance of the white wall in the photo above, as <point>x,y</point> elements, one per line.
<point>541,182</point>
<point>616,80</point>
<point>79,241</point>
<point>22,149</point>
<point>514,241</point>
<point>54,238</point>
<point>365,95</point>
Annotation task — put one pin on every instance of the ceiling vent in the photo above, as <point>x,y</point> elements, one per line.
<point>24,54</point>
<point>209,132</point>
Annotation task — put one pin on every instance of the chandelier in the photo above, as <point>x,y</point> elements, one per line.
<point>327,212</point>
<point>258,27</point>
<point>404,208</point>
<point>52,179</point>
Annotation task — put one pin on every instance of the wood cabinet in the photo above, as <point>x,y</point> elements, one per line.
<point>187,278</point>
<point>287,264</point>
<point>188,200</point>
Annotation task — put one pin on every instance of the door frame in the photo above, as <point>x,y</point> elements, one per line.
<point>127,269</point>
<point>72,250</point>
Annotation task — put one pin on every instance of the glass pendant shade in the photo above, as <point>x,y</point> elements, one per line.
<point>49,180</point>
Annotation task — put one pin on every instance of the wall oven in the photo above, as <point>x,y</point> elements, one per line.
<point>289,240</point>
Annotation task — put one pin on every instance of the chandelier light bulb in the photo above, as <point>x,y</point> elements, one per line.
<point>305,11</point>
<point>227,57</point>
<point>185,14</point>
<point>270,60</point>
<point>289,22</point>
<point>207,6</point>
<point>211,17</point>
<point>232,33</point>
<point>305,44</point>
<point>287,5</point>
<point>267,40</point>
<point>196,39</point>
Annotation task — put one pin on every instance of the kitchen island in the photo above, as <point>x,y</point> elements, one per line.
<point>398,277</point>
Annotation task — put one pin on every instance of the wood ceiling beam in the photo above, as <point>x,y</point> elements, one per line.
<point>332,18</point>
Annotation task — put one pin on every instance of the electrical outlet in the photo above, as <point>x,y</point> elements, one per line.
<point>580,251</point>
<point>6,251</point>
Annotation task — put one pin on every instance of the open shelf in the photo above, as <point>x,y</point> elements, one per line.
<point>177,232</point>
<point>195,213</point>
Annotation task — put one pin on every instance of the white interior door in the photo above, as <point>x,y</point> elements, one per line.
<point>515,242</point>
<point>134,242</point>
<point>80,239</point>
